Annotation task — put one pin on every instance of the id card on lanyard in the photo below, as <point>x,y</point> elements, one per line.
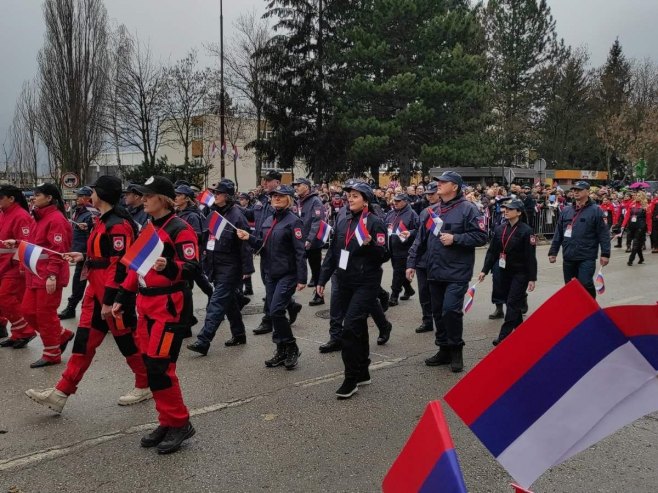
<point>567,232</point>
<point>344,253</point>
<point>502,260</point>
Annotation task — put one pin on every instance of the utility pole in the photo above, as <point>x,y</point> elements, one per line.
<point>318,134</point>
<point>224,148</point>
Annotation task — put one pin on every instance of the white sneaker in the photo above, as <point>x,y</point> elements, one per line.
<point>134,396</point>
<point>51,398</point>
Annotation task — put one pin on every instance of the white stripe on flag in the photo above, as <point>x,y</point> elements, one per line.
<point>150,260</point>
<point>222,225</point>
<point>543,444</point>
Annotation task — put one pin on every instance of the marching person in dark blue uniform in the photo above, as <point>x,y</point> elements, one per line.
<point>309,207</point>
<point>82,221</point>
<point>512,248</point>
<point>227,261</point>
<point>356,254</point>
<point>280,242</point>
<point>133,200</point>
<point>402,224</point>
<point>450,258</point>
<point>187,209</point>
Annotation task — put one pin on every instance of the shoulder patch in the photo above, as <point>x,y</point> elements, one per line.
<point>57,238</point>
<point>118,242</point>
<point>25,230</point>
<point>381,239</point>
<point>318,212</point>
<point>298,233</point>
<point>533,240</point>
<point>189,251</point>
<point>481,224</point>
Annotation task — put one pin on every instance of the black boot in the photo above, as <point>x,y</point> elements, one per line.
<point>440,358</point>
<point>408,294</point>
<point>248,287</point>
<point>293,311</point>
<point>67,313</point>
<point>383,298</point>
<point>236,341</point>
<point>175,437</point>
<point>384,334</point>
<point>393,301</point>
<point>242,300</point>
<point>524,306</point>
<point>317,300</point>
<point>292,355</point>
<point>155,437</point>
<point>265,327</point>
<point>498,312</point>
<point>424,328</point>
<point>3,331</point>
<point>278,358</point>
<point>456,359</point>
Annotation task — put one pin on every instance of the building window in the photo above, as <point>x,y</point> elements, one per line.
<point>197,132</point>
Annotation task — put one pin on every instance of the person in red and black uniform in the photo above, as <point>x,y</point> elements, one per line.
<point>638,221</point>
<point>653,212</point>
<point>43,293</point>
<point>164,313</point>
<point>111,235</point>
<point>15,223</point>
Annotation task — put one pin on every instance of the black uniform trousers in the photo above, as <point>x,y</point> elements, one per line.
<point>337,312</point>
<point>399,276</point>
<point>654,234</point>
<point>314,257</point>
<point>639,239</point>
<point>278,294</point>
<point>447,311</point>
<point>77,286</point>
<point>358,301</point>
<point>498,295</point>
<point>424,296</point>
<point>631,232</point>
<point>515,285</point>
<point>583,270</point>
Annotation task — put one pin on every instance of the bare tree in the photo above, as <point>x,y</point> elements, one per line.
<point>246,70</point>
<point>73,82</point>
<point>24,135</point>
<point>137,102</point>
<point>187,88</point>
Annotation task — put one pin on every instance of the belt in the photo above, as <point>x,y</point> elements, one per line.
<point>97,263</point>
<point>158,291</point>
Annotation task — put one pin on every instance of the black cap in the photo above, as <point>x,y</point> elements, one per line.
<point>272,175</point>
<point>513,204</point>
<point>10,191</point>
<point>580,185</point>
<point>349,183</point>
<point>451,176</point>
<point>134,188</point>
<point>48,189</point>
<point>84,192</point>
<point>224,186</point>
<point>283,190</point>
<point>401,196</point>
<point>159,185</point>
<point>431,187</point>
<point>108,189</point>
<point>185,190</point>
<point>244,195</point>
<point>302,181</point>
<point>363,188</point>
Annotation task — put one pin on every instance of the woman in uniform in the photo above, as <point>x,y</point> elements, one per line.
<point>638,221</point>
<point>512,248</point>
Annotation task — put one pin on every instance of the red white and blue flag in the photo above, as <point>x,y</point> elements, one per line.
<point>28,254</point>
<point>469,298</point>
<point>428,461</point>
<point>324,232</point>
<point>213,150</point>
<point>141,256</point>
<point>401,229</point>
<point>216,224</point>
<point>599,282</point>
<point>224,148</point>
<point>433,223</point>
<point>206,198</point>
<point>236,154</point>
<point>361,232</point>
<point>546,395</point>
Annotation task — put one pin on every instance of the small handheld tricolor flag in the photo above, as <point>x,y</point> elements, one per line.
<point>433,223</point>
<point>323,232</point>
<point>599,282</point>
<point>141,256</point>
<point>224,148</point>
<point>213,150</point>
<point>236,154</point>
<point>469,298</point>
<point>401,229</point>
<point>28,255</point>
<point>206,198</point>
<point>361,232</point>
<point>216,224</point>
<point>428,461</point>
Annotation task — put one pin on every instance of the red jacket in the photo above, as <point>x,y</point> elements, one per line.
<point>640,213</point>
<point>15,224</point>
<point>53,231</point>
<point>609,215</point>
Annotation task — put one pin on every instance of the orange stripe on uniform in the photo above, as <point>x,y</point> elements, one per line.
<point>165,345</point>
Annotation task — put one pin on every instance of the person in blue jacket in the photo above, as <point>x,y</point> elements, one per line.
<point>402,225</point>
<point>280,243</point>
<point>450,249</point>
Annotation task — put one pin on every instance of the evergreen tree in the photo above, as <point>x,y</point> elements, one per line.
<point>523,50</point>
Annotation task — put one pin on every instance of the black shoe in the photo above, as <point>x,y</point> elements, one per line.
<point>408,294</point>
<point>8,343</point>
<point>199,347</point>
<point>628,250</point>
<point>243,301</point>
<point>440,358</point>
<point>292,355</point>
<point>263,328</point>
<point>629,263</point>
<point>175,437</point>
<point>364,379</point>
<point>154,438</point>
<point>236,341</point>
<point>293,311</point>
<point>524,306</point>
<point>41,363</point>
<point>617,246</point>
<point>424,328</point>
<point>67,313</point>
<point>456,359</point>
<point>279,357</point>
<point>393,301</point>
<point>311,284</point>
<point>332,345</point>
<point>640,261</point>
<point>495,342</point>
<point>63,345</point>
<point>385,335</point>
<point>3,331</point>
<point>383,298</point>
<point>498,313</point>
<point>249,292</point>
<point>348,389</point>
<point>316,301</point>
<point>21,343</point>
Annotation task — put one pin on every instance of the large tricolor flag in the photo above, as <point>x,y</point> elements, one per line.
<point>141,256</point>
<point>361,232</point>
<point>28,254</point>
<point>323,232</point>
<point>206,198</point>
<point>428,462</point>
<point>569,376</point>
<point>216,224</point>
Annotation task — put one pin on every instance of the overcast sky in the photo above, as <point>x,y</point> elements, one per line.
<point>172,27</point>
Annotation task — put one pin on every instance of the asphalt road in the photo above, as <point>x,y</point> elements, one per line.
<point>262,429</point>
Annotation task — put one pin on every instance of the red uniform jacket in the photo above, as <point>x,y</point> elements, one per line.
<point>15,224</point>
<point>53,231</point>
<point>640,213</point>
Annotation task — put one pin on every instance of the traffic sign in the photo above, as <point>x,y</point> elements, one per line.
<point>70,180</point>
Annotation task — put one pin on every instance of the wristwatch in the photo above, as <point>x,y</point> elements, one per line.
<point>52,277</point>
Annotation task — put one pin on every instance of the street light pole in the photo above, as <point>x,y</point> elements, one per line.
<point>224,149</point>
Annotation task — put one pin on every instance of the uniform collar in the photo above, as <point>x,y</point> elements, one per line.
<point>162,220</point>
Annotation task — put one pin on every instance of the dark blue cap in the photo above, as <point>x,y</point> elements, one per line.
<point>272,175</point>
<point>401,196</point>
<point>431,187</point>
<point>363,188</point>
<point>302,181</point>
<point>580,185</point>
<point>513,204</point>
<point>452,177</point>
<point>133,188</point>
<point>224,186</point>
<point>283,190</point>
<point>84,192</point>
<point>185,190</point>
